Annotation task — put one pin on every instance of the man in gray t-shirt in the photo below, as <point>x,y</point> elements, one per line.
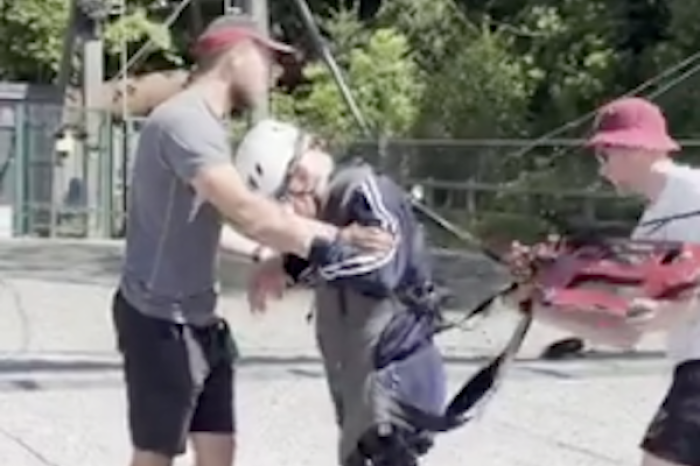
<point>163,277</point>
<point>178,355</point>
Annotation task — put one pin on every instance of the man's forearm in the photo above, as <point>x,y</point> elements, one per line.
<point>257,217</point>
<point>276,227</point>
<point>233,242</point>
<point>272,225</point>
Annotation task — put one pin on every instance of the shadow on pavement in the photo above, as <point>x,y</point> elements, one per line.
<point>38,365</point>
<point>42,375</point>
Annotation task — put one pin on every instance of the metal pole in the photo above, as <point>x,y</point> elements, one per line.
<point>93,79</point>
<point>68,51</point>
<point>196,16</point>
<point>63,82</point>
<point>258,10</point>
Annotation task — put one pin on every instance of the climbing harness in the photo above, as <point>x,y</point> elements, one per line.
<point>654,270</point>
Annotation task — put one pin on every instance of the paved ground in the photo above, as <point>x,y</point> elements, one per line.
<point>61,399</point>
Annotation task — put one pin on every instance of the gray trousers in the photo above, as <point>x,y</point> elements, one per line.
<point>364,397</point>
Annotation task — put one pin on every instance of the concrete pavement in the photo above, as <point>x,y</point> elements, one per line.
<point>61,398</point>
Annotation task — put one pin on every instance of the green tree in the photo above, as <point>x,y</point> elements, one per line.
<point>476,85</point>
<point>132,31</point>
<point>435,29</point>
<point>382,77</point>
<point>32,31</point>
<point>681,96</point>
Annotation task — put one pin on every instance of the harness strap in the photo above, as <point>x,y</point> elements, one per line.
<point>661,222</point>
<point>478,389</point>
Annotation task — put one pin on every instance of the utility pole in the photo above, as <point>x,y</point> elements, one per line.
<point>258,10</point>
<point>92,15</point>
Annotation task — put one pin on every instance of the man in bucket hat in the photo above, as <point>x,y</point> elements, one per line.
<point>632,143</point>
<point>625,125</point>
<point>178,354</point>
<point>635,152</point>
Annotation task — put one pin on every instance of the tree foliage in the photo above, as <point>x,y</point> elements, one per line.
<point>32,32</point>
<point>381,75</point>
<point>136,28</point>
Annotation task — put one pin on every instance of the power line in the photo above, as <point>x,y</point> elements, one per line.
<point>695,57</point>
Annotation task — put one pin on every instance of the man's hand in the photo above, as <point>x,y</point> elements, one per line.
<point>521,258</point>
<point>370,238</point>
<point>519,262</point>
<point>266,281</point>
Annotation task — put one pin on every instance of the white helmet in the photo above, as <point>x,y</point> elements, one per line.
<point>264,155</point>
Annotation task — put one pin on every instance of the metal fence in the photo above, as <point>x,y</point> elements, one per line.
<point>52,192</point>
<point>497,188</point>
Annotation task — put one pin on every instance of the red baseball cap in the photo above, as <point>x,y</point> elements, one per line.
<point>632,122</point>
<point>229,30</point>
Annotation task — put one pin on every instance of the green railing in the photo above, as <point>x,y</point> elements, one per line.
<point>54,193</point>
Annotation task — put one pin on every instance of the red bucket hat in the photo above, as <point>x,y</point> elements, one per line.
<point>229,30</point>
<point>632,122</point>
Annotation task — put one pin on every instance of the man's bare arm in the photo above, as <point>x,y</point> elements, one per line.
<point>201,157</point>
<point>233,242</point>
<point>255,216</point>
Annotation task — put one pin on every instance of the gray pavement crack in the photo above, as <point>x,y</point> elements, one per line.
<point>28,448</point>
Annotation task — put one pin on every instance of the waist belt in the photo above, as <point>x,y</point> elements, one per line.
<point>411,330</point>
<point>420,296</point>
<point>477,390</point>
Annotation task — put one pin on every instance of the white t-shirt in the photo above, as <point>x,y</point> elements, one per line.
<point>680,195</point>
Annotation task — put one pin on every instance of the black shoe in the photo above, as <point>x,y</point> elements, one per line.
<point>566,348</point>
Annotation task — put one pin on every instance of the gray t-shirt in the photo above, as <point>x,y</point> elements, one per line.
<point>172,236</point>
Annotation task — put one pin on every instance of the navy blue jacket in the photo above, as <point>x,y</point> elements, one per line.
<point>358,195</point>
<point>375,201</point>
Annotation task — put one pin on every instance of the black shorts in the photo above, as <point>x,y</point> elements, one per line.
<point>674,434</point>
<point>179,378</point>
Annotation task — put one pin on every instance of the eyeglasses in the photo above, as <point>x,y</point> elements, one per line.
<point>282,194</point>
